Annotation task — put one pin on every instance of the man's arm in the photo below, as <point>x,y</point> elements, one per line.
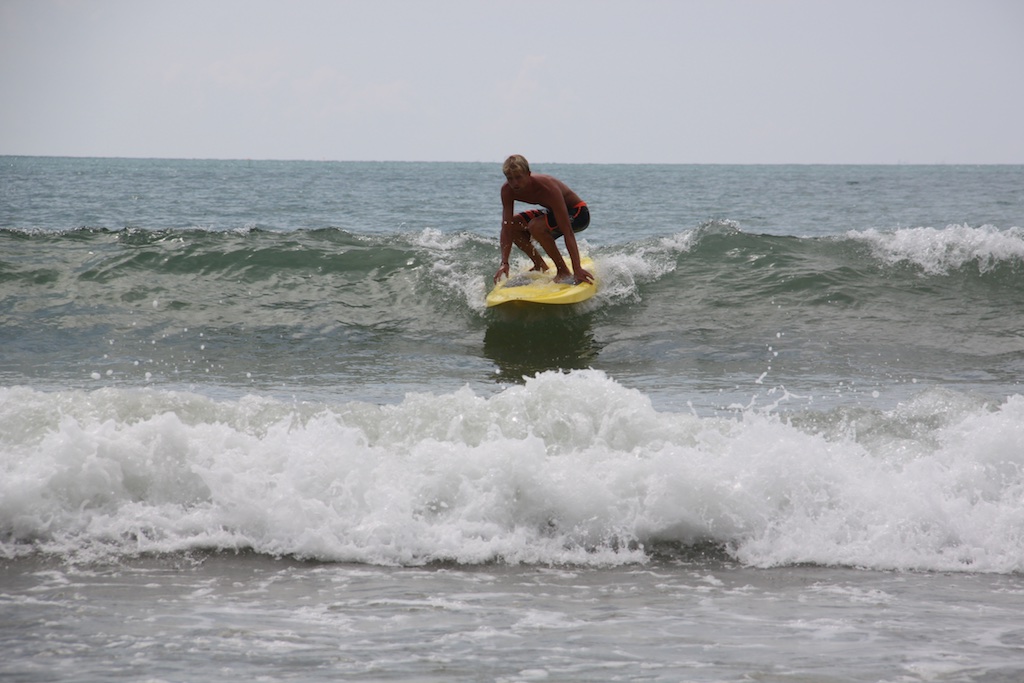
<point>564,224</point>
<point>507,205</point>
<point>574,254</point>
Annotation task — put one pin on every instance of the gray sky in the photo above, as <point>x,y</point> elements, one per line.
<point>631,81</point>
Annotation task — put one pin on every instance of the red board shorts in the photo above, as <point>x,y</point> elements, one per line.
<point>579,218</point>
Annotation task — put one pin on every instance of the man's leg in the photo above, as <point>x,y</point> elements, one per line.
<point>542,233</point>
<point>521,238</point>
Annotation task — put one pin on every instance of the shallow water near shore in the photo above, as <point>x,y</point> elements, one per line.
<point>246,616</point>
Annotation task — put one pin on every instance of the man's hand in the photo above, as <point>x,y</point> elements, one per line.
<point>501,271</point>
<point>582,275</point>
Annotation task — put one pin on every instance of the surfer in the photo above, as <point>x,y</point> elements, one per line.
<point>564,214</point>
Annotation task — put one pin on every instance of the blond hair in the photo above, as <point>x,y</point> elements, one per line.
<point>516,165</point>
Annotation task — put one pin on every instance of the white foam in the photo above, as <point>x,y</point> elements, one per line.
<point>937,251</point>
<point>568,468</point>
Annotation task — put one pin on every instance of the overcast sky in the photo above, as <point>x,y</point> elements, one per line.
<point>631,81</point>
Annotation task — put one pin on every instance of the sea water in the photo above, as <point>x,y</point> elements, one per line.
<point>255,421</point>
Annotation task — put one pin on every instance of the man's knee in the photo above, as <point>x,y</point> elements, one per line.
<point>538,227</point>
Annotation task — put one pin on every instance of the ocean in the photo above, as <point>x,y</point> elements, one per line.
<point>256,422</point>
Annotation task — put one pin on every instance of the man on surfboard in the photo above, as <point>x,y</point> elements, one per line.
<point>564,214</point>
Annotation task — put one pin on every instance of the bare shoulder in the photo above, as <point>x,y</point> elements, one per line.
<point>553,186</point>
<point>548,180</point>
<point>550,185</point>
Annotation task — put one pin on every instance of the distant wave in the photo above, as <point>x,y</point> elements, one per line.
<point>718,250</point>
<point>940,251</point>
<point>718,261</point>
<point>713,267</point>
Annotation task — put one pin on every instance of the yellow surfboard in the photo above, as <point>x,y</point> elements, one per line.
<point>540,288</point>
